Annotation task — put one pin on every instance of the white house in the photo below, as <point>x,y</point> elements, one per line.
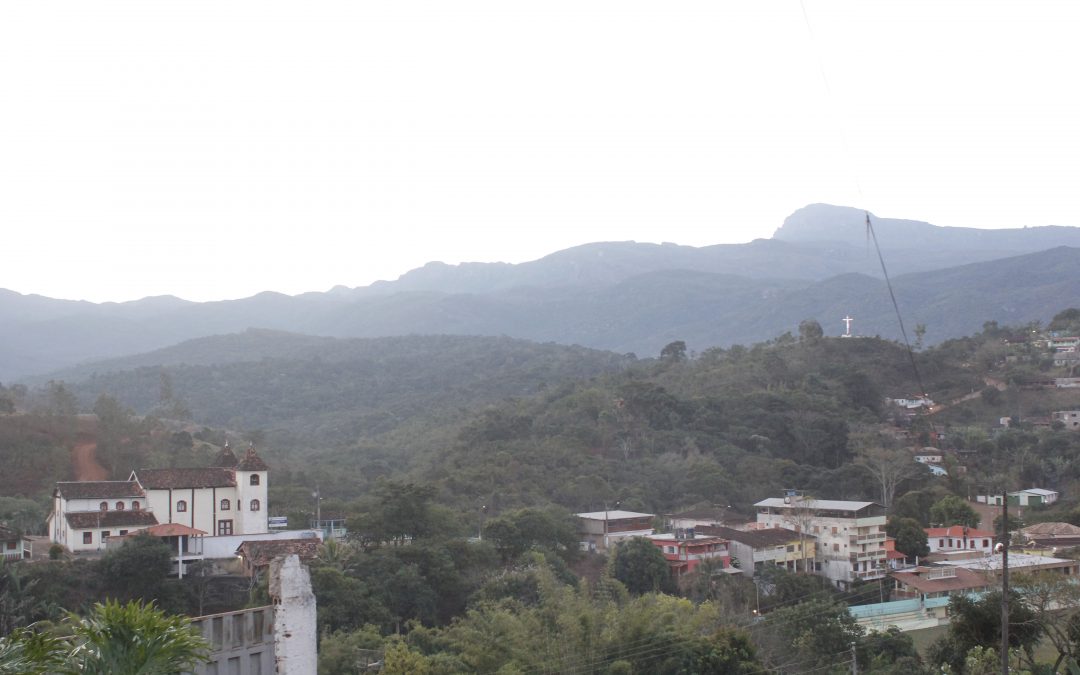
<point>1070,418</point>
<point>850,535</point>
<point>1029,497</point>
<point>959,538</point>
<point>225,499</point>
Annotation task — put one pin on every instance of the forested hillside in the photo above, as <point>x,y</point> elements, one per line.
<point>618,296</point>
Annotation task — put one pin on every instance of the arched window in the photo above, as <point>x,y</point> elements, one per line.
<point>254,504</point>
<point>225,505</point>
<point>119,506</point>
<point>135,506</point>
<point>104,506</point>
<point>254,480</point>
<point>181,506</point>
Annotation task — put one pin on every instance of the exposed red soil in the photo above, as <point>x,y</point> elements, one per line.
<point>84,464</point>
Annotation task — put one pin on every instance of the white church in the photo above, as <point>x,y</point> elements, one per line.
<point>227,498</point>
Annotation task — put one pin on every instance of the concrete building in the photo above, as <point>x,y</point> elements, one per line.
<point>850,535</point>
<point>600,530</point>
<point>86,513</point>
<point>278,639</point>
<point>684,550</point>
<point>958,538</point>
<point>754,549</point>
<point>1070,418</point>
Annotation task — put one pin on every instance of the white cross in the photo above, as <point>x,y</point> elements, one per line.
<point>847,320</point>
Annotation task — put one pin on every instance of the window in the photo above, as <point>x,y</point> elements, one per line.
<point>104,506</point>
<point>225,505</point>
<point>181,506</point>
<point>88,537</point>
<point>105,534</point>
<point>135,506</point>
<point>119,506</point>
<point>224,527</point>
<point>254,480</point>
<point>836,547</point>
<point>791,548</point>
<point>986,543</point>
<point>11,546</point>
<point>834,531</point>
<point>941,543</point>
<point>123,532</point>
<point>255,506</point>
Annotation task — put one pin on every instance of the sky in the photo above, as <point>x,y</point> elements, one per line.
<point>215,150</point>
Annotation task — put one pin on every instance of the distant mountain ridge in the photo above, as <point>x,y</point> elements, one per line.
<point>620,296</point>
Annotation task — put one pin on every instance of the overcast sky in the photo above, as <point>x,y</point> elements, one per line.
<point>213,150</point>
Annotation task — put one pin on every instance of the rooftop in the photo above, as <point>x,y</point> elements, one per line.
<point>161,479</point>
<point>613,515</point>
<point>99,489</point>
<point>85,520</point>
<point>809,503</point>
<point>963,579</point>
<point>259,553</point>
<point>992,563</point>
<point>763,538</point>
<point>957,531</point>
<point>1045,530</point>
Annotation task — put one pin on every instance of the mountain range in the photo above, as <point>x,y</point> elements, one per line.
<point>617,296</point>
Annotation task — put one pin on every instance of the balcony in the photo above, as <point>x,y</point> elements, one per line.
<point>869,575</point>
<point>868,555</point>
<point>867,538</point>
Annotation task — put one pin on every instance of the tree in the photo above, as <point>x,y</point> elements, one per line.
<point>810,330</point>
<point>1055,600</point>
<point>139,567</point>
<point>977,623</point>
<point>889,468</point>
<point>113,639</point>
<point>674,352</point>
<point>640,566</point>
<point>953,510</point>
<point>910,536</point>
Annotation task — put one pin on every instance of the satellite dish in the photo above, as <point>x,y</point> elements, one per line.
<point>999,547</point>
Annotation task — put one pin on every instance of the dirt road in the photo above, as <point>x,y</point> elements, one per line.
<point>84,463</point>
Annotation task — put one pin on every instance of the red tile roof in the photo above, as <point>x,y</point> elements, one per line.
<point>172,530</point>
<point>259,553</point>
<point>252,462</point>
<point>964,580</point>
<point>85,520</point>
<point>161,479</point>
<point>99,489</point>
<point>957,532</point>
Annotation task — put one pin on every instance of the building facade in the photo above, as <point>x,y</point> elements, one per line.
<point>600,530</point>
<point>850,535</point>
<point>225,499</point>
<point>685,550</point>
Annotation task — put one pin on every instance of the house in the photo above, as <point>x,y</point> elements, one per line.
<point>184,542</point>
<point>779,546</point>
<point>926,582</point>
<point>1066,359</point>
<point>928,455</point>
<point>1051,535</point>
<point>958,538</point>
<point>1069,418</point>
<point>86,513</point>
<point>714,515</point>
<point>13,545</point>
<point>257,555</point>
<point>226,498</point>
<point>685,550</point>
<point>991,565</point>
<point>912,403</point>
<point>1029,497</point>
<point>850,535</point>
<point>599,530</point>
<point>1069,382</point>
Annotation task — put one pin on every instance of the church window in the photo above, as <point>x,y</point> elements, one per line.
<point>225,505</point>
<point>135,506</point>
<point>104,506</point>
<point>181,506</point>
<point>255,505</point>
<point>119,506</point>
<point>224,528</point>
<point>254,480</point>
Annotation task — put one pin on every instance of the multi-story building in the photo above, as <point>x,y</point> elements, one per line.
<point>228,498</point>
<point>850,535</point>
<point>600,530</point>
<point>684,550</point>
<point>779,546</point>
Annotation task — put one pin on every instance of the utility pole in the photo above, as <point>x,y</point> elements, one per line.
<point>854,661</point>
<point>1005,582</point>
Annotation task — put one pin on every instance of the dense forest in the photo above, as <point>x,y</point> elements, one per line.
<point>434,441</point>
